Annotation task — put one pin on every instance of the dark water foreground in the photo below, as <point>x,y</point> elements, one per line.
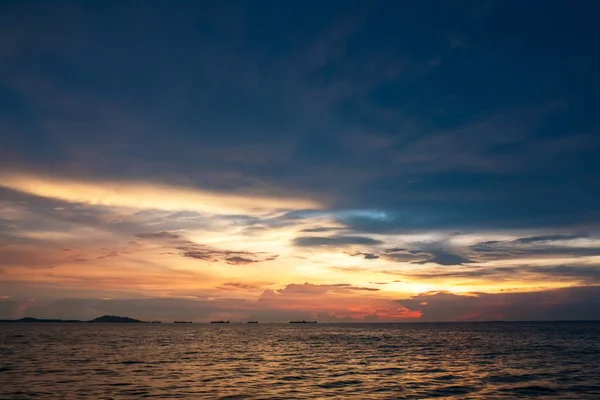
<point>272,361</point>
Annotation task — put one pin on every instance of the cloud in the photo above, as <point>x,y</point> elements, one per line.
<point>237,260</point>
<point>546,246</point>
<point>350,269</point>
<point>367,256</point>
<point>29,258</point>
<point>311,289</point>
<point>334,241</point>
<point>146,195</point>
<point>228,256</point>
<point>206,255</point>
<point>333,303</point>
<point>394,249</point>
<point>547,238</point>
<point>159,235</point>
<point>111,254</point>
<point>428,253</point>
<point>190,249</point>
<point>575,303</point>
<point>586,273</point>
<point>370,256</point>
<point>238,285</point>
<point>321,229</point>
<point>402,257</point>
<point>364,289</point>
<point>442,257</point>
<point>575,273</point>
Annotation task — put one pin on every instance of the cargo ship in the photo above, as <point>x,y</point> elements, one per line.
<point>303,322</point>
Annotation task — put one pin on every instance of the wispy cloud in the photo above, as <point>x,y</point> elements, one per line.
<point>159,235</point>
<point>189,249</point>
<point>334,241</point>
<point>545,246</point>
<point>366,256</point>
<point>146,195</point>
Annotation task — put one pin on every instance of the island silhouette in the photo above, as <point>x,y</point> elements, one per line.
<point>113,319</point>
<point>104,319</point>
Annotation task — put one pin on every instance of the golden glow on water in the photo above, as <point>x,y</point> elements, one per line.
<point>281,361</point>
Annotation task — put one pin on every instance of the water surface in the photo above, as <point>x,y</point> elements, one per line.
<point>282,361</point>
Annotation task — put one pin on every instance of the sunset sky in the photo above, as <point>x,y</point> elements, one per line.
<point>274,160</point>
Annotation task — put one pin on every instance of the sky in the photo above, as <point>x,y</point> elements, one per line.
<point>355,161</point>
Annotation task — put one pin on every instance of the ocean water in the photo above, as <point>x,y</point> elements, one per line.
<point>282,361</point>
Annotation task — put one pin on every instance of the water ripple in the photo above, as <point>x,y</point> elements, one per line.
<point>273,361</point>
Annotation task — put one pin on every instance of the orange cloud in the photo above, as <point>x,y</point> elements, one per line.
<point>335,302</point>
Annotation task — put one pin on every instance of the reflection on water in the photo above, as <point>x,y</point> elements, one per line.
<point>273,361</point>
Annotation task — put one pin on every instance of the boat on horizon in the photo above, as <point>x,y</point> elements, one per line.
<point>182,322</point>
<point>303,322</point>
<point>219,322</point>
<point>252,322</point>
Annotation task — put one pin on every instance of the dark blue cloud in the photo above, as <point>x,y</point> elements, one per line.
<point>547,238</point>
<point>366,256</point>
<point>334,241</point>
<point>449,117</point>
<point>546,246</point>
<point>424,253</point>
<point>443,257</point>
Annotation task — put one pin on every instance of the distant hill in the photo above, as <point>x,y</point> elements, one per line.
<point>105,318</point>
<point>115,319</point>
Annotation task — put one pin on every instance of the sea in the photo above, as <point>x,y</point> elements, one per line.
<point>495,360</point>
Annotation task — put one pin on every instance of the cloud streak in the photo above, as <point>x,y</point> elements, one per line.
<point>334,241</point>
<point>146,195</point>
<point>196,251</point>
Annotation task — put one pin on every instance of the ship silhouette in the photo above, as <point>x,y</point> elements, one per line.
<point>303,322</point>
<point>219,322</point>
